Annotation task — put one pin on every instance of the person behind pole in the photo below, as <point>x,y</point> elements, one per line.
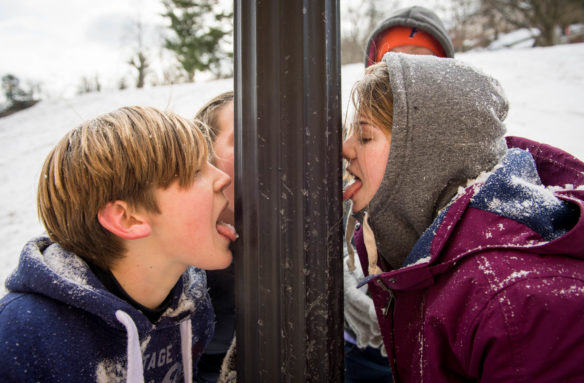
<point>413,30</point>
<point>115,292</point>
<point>217,114</point>
<point>471,243</point>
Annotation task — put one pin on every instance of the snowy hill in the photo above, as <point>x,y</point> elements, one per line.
<point>545,87</point>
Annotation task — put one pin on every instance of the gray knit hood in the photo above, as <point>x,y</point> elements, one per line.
<point>447,128</point>
<point>418,17</point>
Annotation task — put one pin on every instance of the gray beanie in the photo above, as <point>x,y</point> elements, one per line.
<point>447,128</point>
<point>417,17</point>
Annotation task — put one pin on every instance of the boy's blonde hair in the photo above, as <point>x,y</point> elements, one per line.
<point>372,98</point>
<point>123,155</point>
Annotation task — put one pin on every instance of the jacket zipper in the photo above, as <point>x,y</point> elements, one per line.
<point>385,310</point>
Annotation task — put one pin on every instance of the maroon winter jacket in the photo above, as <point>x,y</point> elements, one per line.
<point>493,292</point>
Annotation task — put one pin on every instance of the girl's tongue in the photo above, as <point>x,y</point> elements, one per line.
<point>352,189</point>
<point>227,230</point>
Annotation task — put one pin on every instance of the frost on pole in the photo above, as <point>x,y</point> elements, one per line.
<point>288,260</point>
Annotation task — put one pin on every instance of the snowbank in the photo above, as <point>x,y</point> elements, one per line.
<point>545,87</point>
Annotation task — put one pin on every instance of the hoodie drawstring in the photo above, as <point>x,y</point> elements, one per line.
<point>349,230</point>
<point>371,247</point>
<point>135,372</point>
<point>370,244</point>
<point>186,340</point>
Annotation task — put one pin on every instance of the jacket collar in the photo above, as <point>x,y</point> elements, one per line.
<point>430,257</point>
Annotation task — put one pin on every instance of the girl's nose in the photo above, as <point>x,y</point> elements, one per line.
<point>349,148</point>
<point>222,180</point>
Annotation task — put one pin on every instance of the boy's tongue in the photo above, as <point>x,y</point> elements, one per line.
<point>351,190</point>
<point>227,230</point>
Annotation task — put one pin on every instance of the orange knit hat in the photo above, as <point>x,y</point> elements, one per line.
<point>398,36</point>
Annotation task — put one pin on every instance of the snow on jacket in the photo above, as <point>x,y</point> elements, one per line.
<point>59,324</point>
<point>493,291</point>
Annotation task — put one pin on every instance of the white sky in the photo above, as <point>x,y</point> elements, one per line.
<point>57,42</point>
<point>545,87</point>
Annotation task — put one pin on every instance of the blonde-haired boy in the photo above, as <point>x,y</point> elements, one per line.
<point>130,205</point>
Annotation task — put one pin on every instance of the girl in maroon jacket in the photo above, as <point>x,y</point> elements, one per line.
<point>472,244</point>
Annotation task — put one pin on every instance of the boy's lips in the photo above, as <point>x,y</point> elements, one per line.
<point>351,189</point>
<point>227,230</point>
<point>224,228</point>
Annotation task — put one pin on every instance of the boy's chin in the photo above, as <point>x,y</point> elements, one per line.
<point>222,263</point>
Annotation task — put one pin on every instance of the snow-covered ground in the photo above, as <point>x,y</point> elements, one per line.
<point>545,87</point>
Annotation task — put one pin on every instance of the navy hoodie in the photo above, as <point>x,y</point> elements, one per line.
<point>58,323</point>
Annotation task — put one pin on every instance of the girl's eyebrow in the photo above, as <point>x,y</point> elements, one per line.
<point>359,124</point>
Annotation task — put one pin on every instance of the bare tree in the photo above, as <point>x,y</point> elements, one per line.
<point>549,17</point>
<point>173,74</point>
<point>122,84</point>
<point>466,30</point>
<point>139,59</point>
<point>89,85</point>
<point>352,40</point>
<point>11,87</point>
<point>358,19</point>
<point>17,98</point>
<point>141,63</point>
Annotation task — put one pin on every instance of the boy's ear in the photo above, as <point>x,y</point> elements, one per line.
<point>118,218</point>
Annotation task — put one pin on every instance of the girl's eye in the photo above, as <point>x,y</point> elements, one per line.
<point>364,140</point>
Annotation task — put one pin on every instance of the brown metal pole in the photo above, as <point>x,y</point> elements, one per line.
<point>288,191</point>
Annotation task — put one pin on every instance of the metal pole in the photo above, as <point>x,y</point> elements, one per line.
<point>288,191</point>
